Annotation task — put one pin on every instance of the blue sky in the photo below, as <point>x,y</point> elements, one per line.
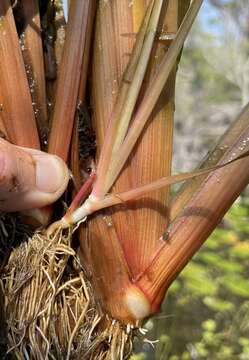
<point>65,7</point>
<point>206,15</point>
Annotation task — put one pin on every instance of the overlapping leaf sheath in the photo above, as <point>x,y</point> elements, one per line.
<point>31,45</point>
<point>127,236</point>
<point>69,79</point>
<point>203,211</point>
<point>16,110</point>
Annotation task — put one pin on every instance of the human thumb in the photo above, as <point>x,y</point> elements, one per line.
<point>29,178</point>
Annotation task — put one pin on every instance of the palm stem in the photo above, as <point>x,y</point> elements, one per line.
<point>201,215</point>
<point>152,94</point>
<point>17,111</point>
<point>69,79</point>
<point>130,84</point>
<point>33,58</point>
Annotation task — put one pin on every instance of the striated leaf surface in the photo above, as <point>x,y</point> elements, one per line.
<point>133,228</point>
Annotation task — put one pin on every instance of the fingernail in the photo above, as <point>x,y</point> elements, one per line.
<point>50,173</point>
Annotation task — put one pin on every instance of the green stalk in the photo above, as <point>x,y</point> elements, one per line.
<point>92,204</point>
<point>152,94</point>
<point>118,112</point>
<point>138,77</point>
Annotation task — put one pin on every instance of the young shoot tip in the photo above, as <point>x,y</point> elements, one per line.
<point>137,303</point>
<point>81,213</point>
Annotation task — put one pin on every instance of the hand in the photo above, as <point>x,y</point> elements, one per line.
<point>29,178</point>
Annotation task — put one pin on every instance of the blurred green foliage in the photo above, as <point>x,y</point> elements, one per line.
<point>206,311</point>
